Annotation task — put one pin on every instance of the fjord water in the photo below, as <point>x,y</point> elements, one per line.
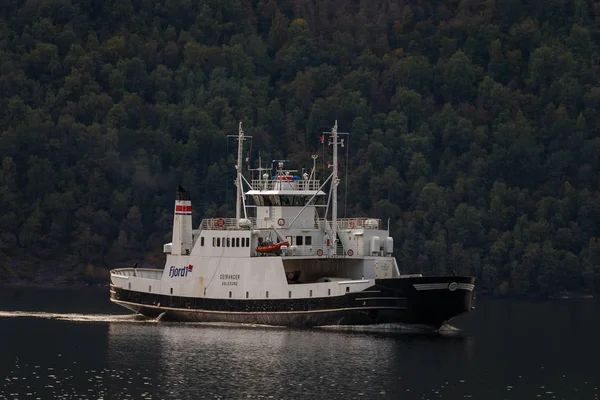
<point>74,344</point>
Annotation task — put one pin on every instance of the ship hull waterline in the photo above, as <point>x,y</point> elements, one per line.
<point>429,301</point>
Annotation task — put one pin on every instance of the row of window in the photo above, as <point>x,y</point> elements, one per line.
<point>283,200</point>
<point>228,242</point>
<point>299,240</point>
<point>245,242</point>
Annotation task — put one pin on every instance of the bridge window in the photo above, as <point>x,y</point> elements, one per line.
<point>258,200</point>
<point>274,200</point>
<point>298,240</point>
<point>308,240</point>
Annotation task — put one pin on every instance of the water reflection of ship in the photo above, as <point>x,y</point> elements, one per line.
<point>201,356</point>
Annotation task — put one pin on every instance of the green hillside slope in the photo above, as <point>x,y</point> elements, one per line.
<point>474,126</point>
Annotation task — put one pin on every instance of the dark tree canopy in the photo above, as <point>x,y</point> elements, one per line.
<point>474,127</point>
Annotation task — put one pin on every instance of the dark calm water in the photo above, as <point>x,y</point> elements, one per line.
<point>74,344</point>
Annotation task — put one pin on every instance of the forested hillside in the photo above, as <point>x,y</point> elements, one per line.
<point>473,126</point>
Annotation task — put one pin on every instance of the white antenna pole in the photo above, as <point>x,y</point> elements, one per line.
<point>334,182</point>
<point>238,183</point>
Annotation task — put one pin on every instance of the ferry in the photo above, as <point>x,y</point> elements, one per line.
<point>286,259</point>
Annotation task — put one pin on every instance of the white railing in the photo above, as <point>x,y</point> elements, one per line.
<point>226,224</point>
<point>303,251</point>
<point>353,223</point>
<point>285,185</point>
<point>146,273</point>
<point>342,223</point>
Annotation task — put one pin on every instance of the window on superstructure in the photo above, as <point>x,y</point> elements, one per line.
<point>308,240</point>
<point>274,200</point>
<point>228,242</point>
<point>171,290</point>
<point>298,240</point>
<point>237,242</point>
<point>247,294</point>
<point>223,242</point>
<point>267,294</point>
<point>290,294</point>
<point>258,200</point>
<point>229,294</point>
<point>214,242</point>
<point>202,241</point>
<point>218,242</point>
<point>328,292</point>
<point>247,242</point>
<point>310,295</point>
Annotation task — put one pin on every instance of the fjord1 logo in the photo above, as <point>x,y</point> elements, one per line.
<point>183,271</point>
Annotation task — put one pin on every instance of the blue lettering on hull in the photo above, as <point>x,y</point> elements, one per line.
<point>183,271</point>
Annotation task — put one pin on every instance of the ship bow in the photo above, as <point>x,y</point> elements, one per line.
<point>434,301</point>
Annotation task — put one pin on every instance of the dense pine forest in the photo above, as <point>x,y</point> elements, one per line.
<point>474,127</point>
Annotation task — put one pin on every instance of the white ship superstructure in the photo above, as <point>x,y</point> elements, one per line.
<point>282,261</point>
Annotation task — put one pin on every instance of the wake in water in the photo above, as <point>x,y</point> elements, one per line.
<point>77,317</point>
<point>139,318</point>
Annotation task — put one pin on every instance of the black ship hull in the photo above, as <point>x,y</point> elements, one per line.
<point>430,301</point>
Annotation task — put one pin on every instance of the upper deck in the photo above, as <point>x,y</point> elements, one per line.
<point>259,186</point>
<point>320,223</point>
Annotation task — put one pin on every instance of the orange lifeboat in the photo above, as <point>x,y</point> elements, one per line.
<point>271,248</point>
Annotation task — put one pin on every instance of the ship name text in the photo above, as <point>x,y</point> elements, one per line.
<point>229,279</point>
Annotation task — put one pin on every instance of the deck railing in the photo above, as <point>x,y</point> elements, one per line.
<point>146,273</point>
<point>342,223</point>
<point>353,223</point>
<point>285,185</point>
<point>226,224</point>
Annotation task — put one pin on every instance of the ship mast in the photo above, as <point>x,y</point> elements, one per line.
<point>238,181</point>
<point>334,182</point>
